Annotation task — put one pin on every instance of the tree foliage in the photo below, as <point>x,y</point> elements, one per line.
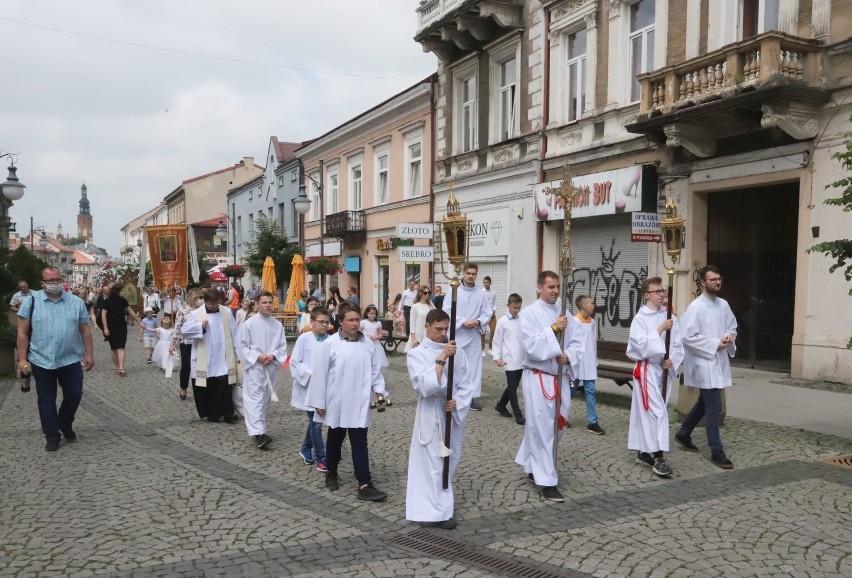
<point>841,249</point>
<point>269,240</point>
<point>20,265</point>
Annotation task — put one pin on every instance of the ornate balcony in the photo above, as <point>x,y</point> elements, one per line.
<point>770,80</point>
<point>346,224</point>
<point>450,28</point>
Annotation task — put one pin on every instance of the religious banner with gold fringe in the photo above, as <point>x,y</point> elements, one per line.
<point>167,252</point>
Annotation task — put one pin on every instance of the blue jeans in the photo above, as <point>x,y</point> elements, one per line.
<point>591,405</point>
<point>313,438</point>
<point>70,379</point>
<point>708,406</point>
<point>358,444</point>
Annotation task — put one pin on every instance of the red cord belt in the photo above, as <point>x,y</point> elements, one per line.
<point>640,373</point>
<point>562,421</point>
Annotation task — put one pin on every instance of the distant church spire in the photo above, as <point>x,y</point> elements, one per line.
<point>84,217</point>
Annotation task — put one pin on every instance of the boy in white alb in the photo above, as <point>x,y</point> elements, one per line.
<point>587,371</point>
<point>262,347</point>
<point>506,352</point>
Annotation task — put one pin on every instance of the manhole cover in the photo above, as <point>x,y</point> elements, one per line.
<point>428,544</point>
<point>842,461</point>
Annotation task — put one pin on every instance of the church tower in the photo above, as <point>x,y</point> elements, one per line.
<point>84,217</point>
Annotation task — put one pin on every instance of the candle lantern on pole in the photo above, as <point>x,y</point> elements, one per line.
<point>672,227</point>
<point>453,246</point>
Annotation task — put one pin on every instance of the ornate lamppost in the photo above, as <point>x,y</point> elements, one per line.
<point>672,227</point>
<point>12,190</point>
<point>454,244</point>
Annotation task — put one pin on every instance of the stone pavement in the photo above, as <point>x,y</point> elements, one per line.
<point>150,490</point>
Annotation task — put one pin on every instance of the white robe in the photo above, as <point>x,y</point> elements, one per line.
<point>214,337</point>
<point>344,375</point>
<point>703,325</point>
<point>161,356</point>
<point>539,350</point>
<point>470,305</point>
<point>300,368</point>
<point>425,498</point>
<point>371,328</point>
<point>649,429</point>
<point>259,335</point>
<point>587,370</point>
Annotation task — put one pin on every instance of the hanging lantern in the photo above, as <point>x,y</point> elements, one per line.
<point>456,228</point>
<point>672,227</point>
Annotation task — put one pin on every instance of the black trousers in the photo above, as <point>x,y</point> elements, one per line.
<point>185,364</point>
<point>406,311</point>
<point>358,443</point>
<point>214,401</point>
<point>510,394</point>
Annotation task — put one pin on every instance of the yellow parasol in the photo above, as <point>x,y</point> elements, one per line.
<point>268,281</point>
<point>297,284</point>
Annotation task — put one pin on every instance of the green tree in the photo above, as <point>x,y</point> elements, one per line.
<point>269,240</point>
<point>841,249</point>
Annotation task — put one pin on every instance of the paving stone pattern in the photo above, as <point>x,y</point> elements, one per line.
<point>151,490</point>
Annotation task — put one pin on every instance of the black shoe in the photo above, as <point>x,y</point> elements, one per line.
<point>474,406</point>
<point>595,429</point>
<point>685,442</point>
<point>262,441</point>
<point>69,435</point>
<point>51,445</point>
<point>644,459</point>
<point>552,493</point>
<point>661,468</point>
<point>519,419</point>
<point>230,419</point>
<point>502,411</point>
<point>531,478</point>
<point>567,424</point>
<point>331,482</point>
<point>371,494</point>
<point>722,461</point>
<point>448,524</point>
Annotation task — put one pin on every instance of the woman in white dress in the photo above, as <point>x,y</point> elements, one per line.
<point>161,356</point>
<point>372,328</point>
<point>422,306</point>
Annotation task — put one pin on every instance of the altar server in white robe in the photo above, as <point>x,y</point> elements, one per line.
<point>213,367</point>
<point>472,315</point>
<point>649,418</point>
<point>541,353</point>
<point>426,500</point>
<point>709,337</point>
<point>262,349</point>
<point>345,372</point>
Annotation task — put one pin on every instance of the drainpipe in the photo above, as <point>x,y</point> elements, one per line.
<point>545,119</point>
<point>434,140</point>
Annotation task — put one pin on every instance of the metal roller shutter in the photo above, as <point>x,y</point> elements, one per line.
<point>609,267</point>
<point>499,282</point>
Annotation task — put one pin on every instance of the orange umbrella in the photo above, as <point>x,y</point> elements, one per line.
<point>268,281</point>
<point>297,284</point>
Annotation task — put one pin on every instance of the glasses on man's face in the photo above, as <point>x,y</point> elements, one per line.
<point>659,291</point>
<point>323,323</point>
<point>714,279</point>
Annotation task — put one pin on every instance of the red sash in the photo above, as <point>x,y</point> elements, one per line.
<point>640,373</point>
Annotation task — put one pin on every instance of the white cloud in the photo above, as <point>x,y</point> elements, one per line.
<point>134,122</point>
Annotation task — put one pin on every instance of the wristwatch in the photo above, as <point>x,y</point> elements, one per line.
<point>440,361</point>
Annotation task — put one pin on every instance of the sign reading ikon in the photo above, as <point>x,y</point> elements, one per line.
<point>415,254</point>
<point>415,230</point>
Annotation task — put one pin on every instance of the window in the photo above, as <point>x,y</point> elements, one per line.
<point>412,271</point>
<point>640,43</point>
<point>239,229</point>
<point>271,216</point>
<point>382,178</point>
<point>293,176</point>
<point>468,114</point>
<point>508,102</point>
<point>251,225</point>
<point>281,218</point>
<point>315,200</point>
<point>758,16</point>
<point>576,75</point>
<point>251,194</point>
<point>333,194</point>
<point>414,178</point>
<point>356,200</point>
<point>281,181</point>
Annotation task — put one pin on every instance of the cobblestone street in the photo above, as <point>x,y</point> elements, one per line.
<point>149,489</point>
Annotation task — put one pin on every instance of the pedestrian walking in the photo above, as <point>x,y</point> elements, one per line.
<point>491,301</point>
<point>709,331</point>
<point>472,313</point>
<point>587,371</point>
<point>506,352</point>
<point>148,332</point>
<point>262,350</point>
<point>548,339</point>
<point>55,346</point>
<point>301,361</point>
<point>648,434</point>
<point>426,500</point>
<point>344,374</point>
<point>22,294</point>
<point>184,344</point>
<point>408,299</point>
<point>233,302</point>
<point>114,319</point>
<point>417,316</point>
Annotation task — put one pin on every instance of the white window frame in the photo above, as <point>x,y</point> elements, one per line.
<point>294,175</point>
<point>499,54</point>
<point>568,19</point>
<point>333,187</point>
<point>631,35</point>
<point>315,198</point>
<point>380,152</point>
<point>761,18</point>
<point>466,70</point>
<point>578,92</point>
<point>355,201</point>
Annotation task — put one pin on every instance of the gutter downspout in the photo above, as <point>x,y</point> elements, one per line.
<point>434,140</point>
<point>545,119</point>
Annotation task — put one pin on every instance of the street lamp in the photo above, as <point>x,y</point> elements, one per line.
<point>13,190</point>
<point>302,204</point>
<point>221,232</point>
<point>672,229</point>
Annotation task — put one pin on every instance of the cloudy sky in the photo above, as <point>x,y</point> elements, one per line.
<point>134,97</point>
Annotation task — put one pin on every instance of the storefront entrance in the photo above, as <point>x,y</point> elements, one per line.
<point>751,237</point>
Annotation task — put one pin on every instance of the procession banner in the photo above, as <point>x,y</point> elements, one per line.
<point>167,252</point>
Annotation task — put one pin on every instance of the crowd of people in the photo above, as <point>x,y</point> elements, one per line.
<point>231,353</point>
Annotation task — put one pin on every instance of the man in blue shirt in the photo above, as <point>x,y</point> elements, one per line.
<point>60,339</point>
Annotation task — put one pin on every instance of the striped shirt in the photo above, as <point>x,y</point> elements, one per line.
<point>56,340</point>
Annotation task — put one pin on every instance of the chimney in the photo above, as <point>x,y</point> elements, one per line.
<point>247,162</point>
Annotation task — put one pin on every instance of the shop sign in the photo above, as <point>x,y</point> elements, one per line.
<point>645,227</point>
<point>415,230</point>
<point>489,233</point>
<point>607,193</point>
<point>415,254</point>
<point>392,243</point>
